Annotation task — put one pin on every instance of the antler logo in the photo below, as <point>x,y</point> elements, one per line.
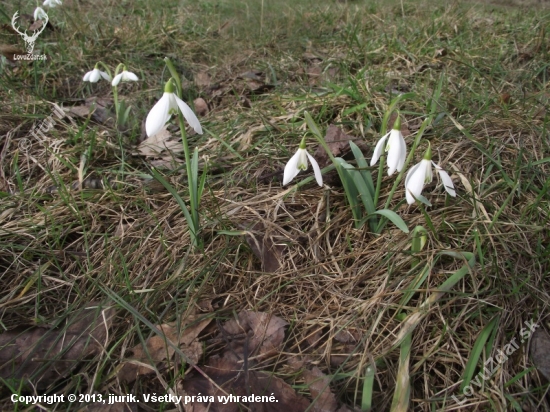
<point>30,40</point>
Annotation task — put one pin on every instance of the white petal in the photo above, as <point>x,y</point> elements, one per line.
<point>379,149</point>
<point>94,77</point>
<point>117,79</point>
<point>86,77</point>
<point>291,168</point>
<point>105,76</point>
<point>446,180</point>
<point>402,154</point>
<point>129,76</point>
<point>40,14</point>
<point>158,116</point>
<point>316,169</point>
<point>396,151</point>
<point>189,115</point>
<point>414,183</point>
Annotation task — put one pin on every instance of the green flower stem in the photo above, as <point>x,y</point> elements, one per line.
<point>379,179</point>
<point>175,76</point>
<point>191,178</point>
<point>107,70</point>
<point>193,189</point>
<point>115,93</point>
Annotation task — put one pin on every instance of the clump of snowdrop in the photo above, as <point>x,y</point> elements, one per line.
<point>93,76</point>
<point>421,173</point>
<point>298,162</point>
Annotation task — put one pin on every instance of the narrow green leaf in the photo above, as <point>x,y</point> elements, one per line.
<point>354,109</point>
<point>415,285</point>
<point>519,376</point>
<point>477,350</point>
<point>181,203</point>
<point>368,383</point>
<point>414,318</point>
<point>312,125</point>
<point>363,192</point>
<point>363,165</point>
<point>351,191</point>
<point>394,218</point>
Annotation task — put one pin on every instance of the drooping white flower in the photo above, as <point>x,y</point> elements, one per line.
<point>124,76</point>
<point>396,148</point>
<point>417,177</point>
<point>52,3</point>
<point>40,14</point>
<point>165,107</point>
<point>94,75</point>
<point>421,173</point>
<point>298,162</point>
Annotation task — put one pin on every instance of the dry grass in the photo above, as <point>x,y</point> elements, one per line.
<point>341,289</point>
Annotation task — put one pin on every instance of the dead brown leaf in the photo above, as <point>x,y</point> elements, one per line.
<point>347,335</point>
<point>312,57</point>
<point>170,163</point>
<point>254,335</point>
<point>158,349</point>
<point>8,28</point>
<point>202,79</point>
<point>264,247</point>
<point>43,355</point>
<point>227,373</point>
<point>338,142</point>
<point>98,107</point>
<point>314,73</point>
<point>36,25</point>
<point>201,107</point>
<point>154,145</point>
<point>540,351</point>
<point>9,51</point>
<point>319,387</point>
<point>252,75</point>
<point>267,332</point>
<point>314,337</point>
